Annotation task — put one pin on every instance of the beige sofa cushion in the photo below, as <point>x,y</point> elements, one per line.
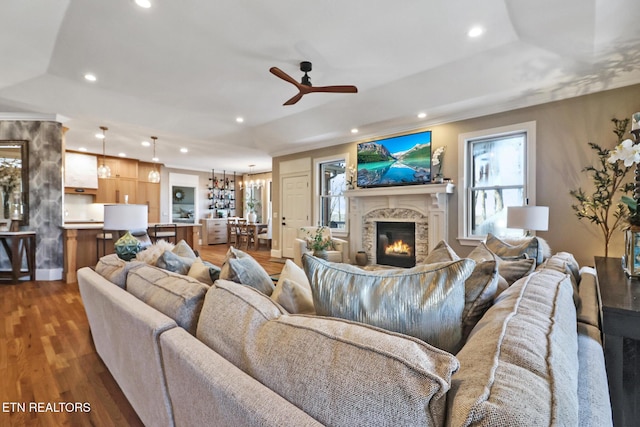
<point>425,301</point>
<point>179,297</point>
<point>564,262</point>
<point>520,364</point>
<point>330,368</point>
<point>114,269</point>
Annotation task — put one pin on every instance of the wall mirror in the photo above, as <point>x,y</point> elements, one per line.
<point>14,181</point>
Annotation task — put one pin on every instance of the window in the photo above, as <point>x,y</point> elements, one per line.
<point>331,185</point>
<point>497,167</point>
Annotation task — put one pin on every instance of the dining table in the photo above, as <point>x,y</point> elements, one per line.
<point>253,228</point>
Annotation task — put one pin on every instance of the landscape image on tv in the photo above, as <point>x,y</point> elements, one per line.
<point>399,160</point>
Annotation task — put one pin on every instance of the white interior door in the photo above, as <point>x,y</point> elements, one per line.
<point>296,210</point>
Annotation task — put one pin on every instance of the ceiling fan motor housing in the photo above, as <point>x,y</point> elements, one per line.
<point>305,67</point>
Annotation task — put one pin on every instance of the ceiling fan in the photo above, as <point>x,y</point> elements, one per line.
<point>305,87</point>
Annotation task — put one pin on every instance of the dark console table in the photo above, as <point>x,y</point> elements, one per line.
<point>620,319</point>
<point>19,245</point>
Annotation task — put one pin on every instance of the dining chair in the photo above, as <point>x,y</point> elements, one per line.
<point>243,234</point>
<point>232,230</point>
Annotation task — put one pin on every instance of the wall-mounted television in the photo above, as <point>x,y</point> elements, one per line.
<point>397,160</point>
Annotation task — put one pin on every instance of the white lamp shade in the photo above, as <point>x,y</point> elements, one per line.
<point>125,217</point>
<point>534,218</point>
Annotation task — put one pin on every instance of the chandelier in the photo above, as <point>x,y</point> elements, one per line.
<point>250,183</point>
<point>103,170</point>
<point>154,175</point>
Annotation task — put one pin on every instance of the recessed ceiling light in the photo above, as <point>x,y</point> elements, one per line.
<point>90,77</point>
<point>354,130</point>
<point>422,115</point>
<point>184,150</point>
<point>99,135</point>
<point>155,159</point>
<point>475,31</point>
<point>122,154</point>
<point>239,119</point>
<point>146,144</point>
<point>82,149</point>
<point>144,3</point>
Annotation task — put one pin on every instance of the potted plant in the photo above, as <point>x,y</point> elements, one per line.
<point>252,205</point>
<point>318,243</point>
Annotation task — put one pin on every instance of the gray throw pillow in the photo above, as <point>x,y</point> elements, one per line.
<point>425,301</point>
<point>479,289</point>
<point>175,263</point>
<point>248,272</point>
<point>533,247</point>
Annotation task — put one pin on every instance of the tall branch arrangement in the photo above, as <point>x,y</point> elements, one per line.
<point>604,207</point>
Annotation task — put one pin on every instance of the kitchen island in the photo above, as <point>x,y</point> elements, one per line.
<point>81,244</point>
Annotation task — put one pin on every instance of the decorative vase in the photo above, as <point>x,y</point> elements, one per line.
<point>361,258</point>
<point>322,254</point>
<point>252,217</point>
<point>127,247</point>
<point>631,260</point>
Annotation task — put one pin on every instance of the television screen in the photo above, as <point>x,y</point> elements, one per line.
<point>399,160</point>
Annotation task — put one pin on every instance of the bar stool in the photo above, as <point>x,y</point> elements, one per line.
<point>164,231</point>
<point>101,239</point>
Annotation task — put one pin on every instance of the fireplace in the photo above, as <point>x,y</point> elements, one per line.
<point>396,243</point>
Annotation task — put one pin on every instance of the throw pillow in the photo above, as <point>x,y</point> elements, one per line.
<point>175,263</point>
<point>293,297</point>
<point>533,247</point>
<point>294,273</point>
<point>247,271</point>
<point>510,269</point>
<point>184,250</point>
<point>479,289</point>
<point>151,254</point>
<point>425,301</point>
<point>204,271</point>
<point>441,253</point>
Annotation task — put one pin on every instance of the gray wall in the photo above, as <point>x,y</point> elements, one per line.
<point>45,190</point>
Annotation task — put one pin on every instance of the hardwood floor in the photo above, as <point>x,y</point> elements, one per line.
<point>50,373</point>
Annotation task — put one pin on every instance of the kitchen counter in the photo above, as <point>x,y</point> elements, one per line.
<point>81,244</point>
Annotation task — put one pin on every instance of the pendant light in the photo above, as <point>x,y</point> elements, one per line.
<point>154,175</point>
<point>103,170</point>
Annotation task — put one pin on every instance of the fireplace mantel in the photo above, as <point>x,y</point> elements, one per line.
<point>427,203</point>
<point>436,191</point>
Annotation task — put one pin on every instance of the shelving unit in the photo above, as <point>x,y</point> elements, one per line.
<point>222,194</point>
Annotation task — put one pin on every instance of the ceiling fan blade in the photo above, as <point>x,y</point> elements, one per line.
<point>295,99</point>
<point>334,89</point>
<point>284,76</point>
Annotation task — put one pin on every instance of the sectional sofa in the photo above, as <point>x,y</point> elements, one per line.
<point>188,353</point>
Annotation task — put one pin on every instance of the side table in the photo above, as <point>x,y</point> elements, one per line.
<point>17,245</point>
<point>620,320</point>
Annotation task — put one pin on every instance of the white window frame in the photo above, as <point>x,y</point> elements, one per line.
<point>464,172</point>
<point>342,157</point>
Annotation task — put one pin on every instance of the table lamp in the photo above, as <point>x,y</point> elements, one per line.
<point>125,217</point>
<point>528,218</point>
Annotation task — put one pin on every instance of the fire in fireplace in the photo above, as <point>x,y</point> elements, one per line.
<point>396,243</point>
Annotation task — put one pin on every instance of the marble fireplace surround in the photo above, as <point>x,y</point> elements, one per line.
<point>425,205</point>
